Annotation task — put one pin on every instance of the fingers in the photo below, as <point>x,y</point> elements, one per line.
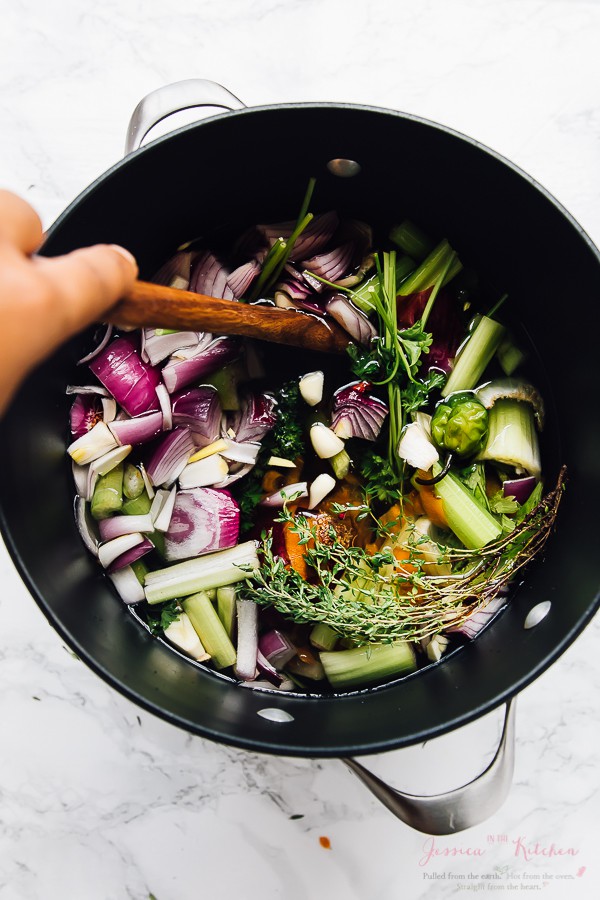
<point>20,225</point>
<point>86,283</point>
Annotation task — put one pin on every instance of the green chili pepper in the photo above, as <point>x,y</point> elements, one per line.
<point>460,424</point>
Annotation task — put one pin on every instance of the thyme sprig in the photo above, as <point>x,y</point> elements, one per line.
<point>366,598</point>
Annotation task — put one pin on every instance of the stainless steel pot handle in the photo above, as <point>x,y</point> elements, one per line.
<point>173,98</point>
<point>455,810</point>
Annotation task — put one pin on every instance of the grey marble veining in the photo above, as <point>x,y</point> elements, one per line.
<point>100,800</point>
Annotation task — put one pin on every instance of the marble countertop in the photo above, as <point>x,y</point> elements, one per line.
<point>100,800</point>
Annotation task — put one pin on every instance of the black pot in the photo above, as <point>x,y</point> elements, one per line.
<point>252,165</point>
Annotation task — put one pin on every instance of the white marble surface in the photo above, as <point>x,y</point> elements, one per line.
<point>99,800</point>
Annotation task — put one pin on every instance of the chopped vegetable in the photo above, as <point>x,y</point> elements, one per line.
<point>459,425</point>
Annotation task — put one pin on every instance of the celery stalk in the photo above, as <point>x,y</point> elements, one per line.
<point>512,436</point>
<point>363,665</point>
<point>139,506</point>
<point>323,637</point>
<point>411,239</point>
<point>426,275</point>
<point>475,356</point>
<point>209,629</point>
<point>204,572</point>
<point>108,494</point>
<point>226,608</point>
<point>363,295</point>
<point>472,524</point>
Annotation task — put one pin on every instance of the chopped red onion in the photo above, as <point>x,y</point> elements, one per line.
<point>313,239</point>
<point>255,417</point>
<point>109,409</point>
<point>210,277</point>
<point>137,430</point>
<point>86,526</point>
<point>127,585</point>
<point>131,556</point>
<point>104,341</point>
<point>247,639</point>
<point>187,366</point>
<point>264,666</point>
<point>234,475</point>
<point>170,457</point>
<point>86,410</point>
<point>241,278</point>
<point>203,520</point>
<point>87,389</point>
<point>165,406</point>
<point>351,319</point>
<point>130,380</point>
<point>115,526</point>
<point>200,409</point>
<point>277,648</point>
<point>176,271</point>
<point>157,346</point>
<point>240,452</point>
<point>519,488</point>
<point>111,550</point>
<point>290,492</point>
<point>332,265</point>
<point>480,618</point>
<point>162,508</point>
<point>444,323</point>
<point>357,413</point>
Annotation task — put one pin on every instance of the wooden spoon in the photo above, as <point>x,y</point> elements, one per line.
<point>156,306</point>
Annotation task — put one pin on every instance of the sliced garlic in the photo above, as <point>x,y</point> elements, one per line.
<point>321,486</point>
<point>311,387</point>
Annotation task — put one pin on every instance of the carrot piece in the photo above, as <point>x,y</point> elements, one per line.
<point>431,503</point>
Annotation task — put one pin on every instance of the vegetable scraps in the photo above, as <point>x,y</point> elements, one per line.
<point>297,521</point>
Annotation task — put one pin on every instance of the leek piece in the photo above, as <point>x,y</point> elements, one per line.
<point>363,665</point>
<point>214,570</point>
<point>411,240</point>
<point>363,295</point>
<point>430,270</point>
<point>475,356</point>
<point>209,629</point>
<point>472,524</point>
<point>226,608</point>
<point>323,637</point>
<point>512,437</point>
<point>108,494</point>
<point>140,506</point>
<point>133,483</point>
<point>340,463</point>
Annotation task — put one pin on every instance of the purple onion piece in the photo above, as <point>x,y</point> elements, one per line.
<point>158,347</point>
<point>277,648</point>
<point>86,410</point>
<point>103,342</point>
<point>130,380</point>
<point>200,409</point>
<point>234,475</point>
<point>137,430</point>
<point>180,371</point>
<point>115,526</point>
<point>210,277</point>
<point>127,585</point>
<point>255,417</point>
<point>170,457</point>
<point>351,319</point>
<point>241,278</point>
<point>264,666</point>
<point>176,271</point>
<point>519,488</point>
<point>131,556</point>
<point>86,526</point>
<point>203,520</point>
<point>480,618</point>
<point>444,323</point>
<point>357,413</point>
<point>316,235</point>
<point>333,265</point>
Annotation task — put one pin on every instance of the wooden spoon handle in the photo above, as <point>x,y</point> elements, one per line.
<point>156,306</point>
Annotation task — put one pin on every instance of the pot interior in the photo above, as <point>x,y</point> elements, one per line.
<point>250,166</point>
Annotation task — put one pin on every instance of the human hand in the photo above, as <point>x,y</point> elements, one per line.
<point>44,301</point>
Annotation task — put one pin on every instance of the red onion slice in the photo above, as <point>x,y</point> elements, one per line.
<point>357,413</point>
<point>176,271</point>
<point>130,380</point>
<point>104,341</point>
<point>519,488</point>
<point>256,416</point>
<point>127,585</point>
<point>138,430</point>
<point>85,526</point>
<point>170,457</point>
<point>277,648</point>
<point>211,354</point>
<point>158,347</point>
<point>165,406</point>
<point>333,265</point>
<point>241,278</point>
<point>131,556</point>
<point>210,277</point>
<point>290,492</point>
<point>86,411</point>
<point>200,409</point>
<point>115,526</point>
<point>111,550</point>
<point>480,618</point>
<point>203,520</point>
<point>351,319</point>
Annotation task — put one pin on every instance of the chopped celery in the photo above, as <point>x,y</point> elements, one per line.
<point>226,608</point>
<point>430,270</point>
<point>475,356</point>
<point>140,570</point>
<point>209,629</point>
<point>108,494</point>
<point>133,483</point>
<point>363,665</point>
<point>472,524</point>
<point>323,637</point>
<point>139,506</point>
<point>211,571</point>
<point>411,239</point>
<point>512,437</point>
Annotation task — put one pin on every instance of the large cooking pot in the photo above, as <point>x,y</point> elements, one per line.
<point>248,165</point>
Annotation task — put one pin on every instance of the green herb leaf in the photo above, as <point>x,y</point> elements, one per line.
<point>160,619</point>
